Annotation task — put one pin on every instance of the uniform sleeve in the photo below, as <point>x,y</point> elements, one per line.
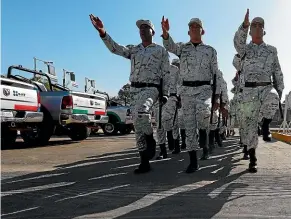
<point>172,47</point>
<point>173,79</point>
<point>224,94</point>
<point>240,40</point>
<point>116,48</point>
<point>165,71</point>
<point>215,71</point>
<point>278,78</point>
<point>236,62</point>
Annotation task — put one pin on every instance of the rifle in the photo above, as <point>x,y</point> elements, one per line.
<point>213,98</point>
<point>160,103</point>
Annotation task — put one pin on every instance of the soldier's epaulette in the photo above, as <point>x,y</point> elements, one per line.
<point>272,49</point>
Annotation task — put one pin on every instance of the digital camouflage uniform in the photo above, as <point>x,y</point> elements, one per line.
<point>260,65</point>
<point>198,65</point>
<point>148,65</point>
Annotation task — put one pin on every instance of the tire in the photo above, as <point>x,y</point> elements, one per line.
<point>79,132</point>
<point>110,128</point>
<point>8,137</point>
<point>41,135</point>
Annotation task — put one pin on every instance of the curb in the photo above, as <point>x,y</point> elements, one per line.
<point>281,137</point>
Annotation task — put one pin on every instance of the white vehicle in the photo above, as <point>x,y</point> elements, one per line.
<point>20,109</point>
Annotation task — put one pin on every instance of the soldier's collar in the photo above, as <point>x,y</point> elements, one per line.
<point>261,45</point>
<point>151,45</point>
<point>190,43</point>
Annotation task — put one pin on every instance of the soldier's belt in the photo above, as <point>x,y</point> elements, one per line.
<point>173,94</point>
<point>257,84</point>
<point>195,83</point>
<point>141,85</point>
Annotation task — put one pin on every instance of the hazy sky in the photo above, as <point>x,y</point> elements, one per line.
<point>60,31</point>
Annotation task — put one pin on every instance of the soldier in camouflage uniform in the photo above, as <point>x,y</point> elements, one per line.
<point>149,64</point>
<point>259,68</point>
<point>216,127</point>
<point>198,66</point>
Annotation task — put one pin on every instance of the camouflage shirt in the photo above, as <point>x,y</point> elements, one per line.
<point>260,62</point>
<point>148,64</point>
<point>196,63</point>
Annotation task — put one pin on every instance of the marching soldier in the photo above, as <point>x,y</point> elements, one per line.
<point>260,66</point>
<point>198,68</point>
<point>149,64</point>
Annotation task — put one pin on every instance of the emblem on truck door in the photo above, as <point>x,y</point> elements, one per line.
<point>91,102</point>
<point>6,92</point>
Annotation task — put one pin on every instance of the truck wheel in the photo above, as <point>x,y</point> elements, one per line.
<point>79,133</point>
<point>8,137</point>
<point>42,134</point>
<point>110,129</point>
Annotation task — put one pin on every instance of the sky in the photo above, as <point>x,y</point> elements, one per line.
<point>61,31</point>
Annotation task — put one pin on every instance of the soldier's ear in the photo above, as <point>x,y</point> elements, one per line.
<point>264,33</point>
<point>188,32</point>
<point>202,32</point>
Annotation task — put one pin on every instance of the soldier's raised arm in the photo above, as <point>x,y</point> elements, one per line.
<point>277,74</point>
<point>168,42</point>
<point>240,37</point>
<point>108,41</point>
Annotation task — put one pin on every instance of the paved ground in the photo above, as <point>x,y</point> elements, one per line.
<point>94,179</point>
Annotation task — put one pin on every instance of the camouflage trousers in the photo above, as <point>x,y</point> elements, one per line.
<point>196,103</point>
<point>269,106</point>
<point>142,105</point>
<point>168,122</point>
<point>251,104</point>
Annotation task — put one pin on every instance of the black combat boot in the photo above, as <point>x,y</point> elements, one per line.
<point>170,140</point>
<point>193,166</point>
<point>218,138</point>
<point>150,146</point>
<point>183,136</point>
<point>246,153</point>
<point>211,141</point>
<point>144,166</point>
<point>163,152</point>
<point>253,161</point>
<point>265,129</point>
<point>203,144</point>
<point>177,149</point>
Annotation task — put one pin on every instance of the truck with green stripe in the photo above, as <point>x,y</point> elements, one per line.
<point>64,111</point>
<point>120,119</point>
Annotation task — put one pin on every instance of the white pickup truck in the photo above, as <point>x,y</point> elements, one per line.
<point>64,111</point>
<point>20,109</point>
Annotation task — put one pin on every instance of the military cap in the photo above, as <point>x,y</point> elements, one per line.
<point>258,20</point>
<point>146,22</point>
<point>195,20</point>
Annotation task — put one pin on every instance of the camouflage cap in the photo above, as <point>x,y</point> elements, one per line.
<point>175,61</point>
<point>195,20</point>
<point>258,20</point>
<point>146,22</point>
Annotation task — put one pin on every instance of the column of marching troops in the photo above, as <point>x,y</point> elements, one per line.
<point>190,94</point>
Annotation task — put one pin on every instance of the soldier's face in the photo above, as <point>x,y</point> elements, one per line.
<point>145,32</point>
<point>257,30</point>
<point>195,31</point>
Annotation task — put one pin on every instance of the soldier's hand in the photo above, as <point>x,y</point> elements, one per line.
<point>165,27</point>
<point>98,24</point>
<point>224,113</point>
<point>215,106</point>
<point>246,23</point>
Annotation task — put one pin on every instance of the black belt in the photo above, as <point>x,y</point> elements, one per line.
<point>141,85</point>
<point>173,94</point>
<point>195,83</point>
<point>257,84</point>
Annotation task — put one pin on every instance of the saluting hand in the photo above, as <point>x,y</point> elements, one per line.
<point>246,23</point>
<point>98,24</point>
<point>166,27</point>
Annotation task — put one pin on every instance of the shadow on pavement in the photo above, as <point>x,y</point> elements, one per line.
<point>108,184</point>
